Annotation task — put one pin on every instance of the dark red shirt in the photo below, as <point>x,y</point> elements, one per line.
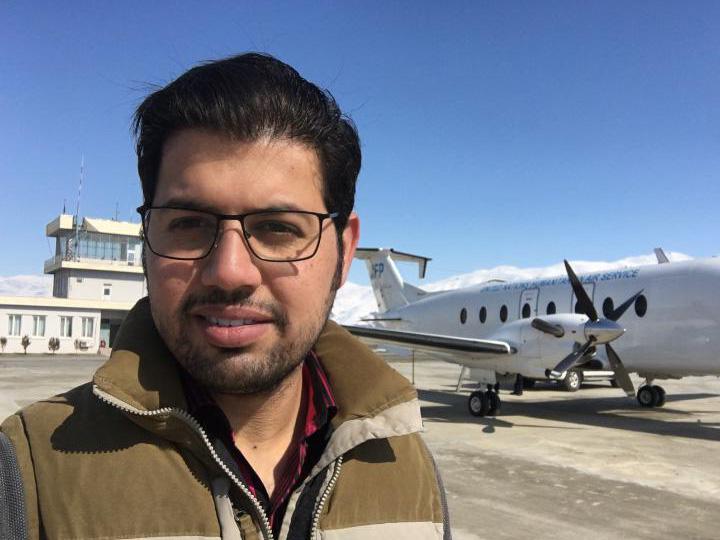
<point>320,410</point>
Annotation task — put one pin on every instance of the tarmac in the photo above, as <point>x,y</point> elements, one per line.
<point>552,464</point>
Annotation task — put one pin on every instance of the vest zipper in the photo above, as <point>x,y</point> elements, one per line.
<point>195,425</point>
<point>324,498</point>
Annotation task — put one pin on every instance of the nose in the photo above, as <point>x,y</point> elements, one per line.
<point>231,265</point>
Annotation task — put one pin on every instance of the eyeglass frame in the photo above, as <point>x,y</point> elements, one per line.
<point>145,208</point>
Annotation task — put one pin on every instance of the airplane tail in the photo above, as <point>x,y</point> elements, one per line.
<point>387,283</point>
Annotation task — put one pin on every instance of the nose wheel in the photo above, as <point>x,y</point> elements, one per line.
<point>651,395</point>
<point>485,402</point>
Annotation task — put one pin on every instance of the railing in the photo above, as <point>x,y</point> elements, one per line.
<point>57,259</point>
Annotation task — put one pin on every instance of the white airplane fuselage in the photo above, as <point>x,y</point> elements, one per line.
<point>677,335</point>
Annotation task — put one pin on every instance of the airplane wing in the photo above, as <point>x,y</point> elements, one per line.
<point>451,348</point>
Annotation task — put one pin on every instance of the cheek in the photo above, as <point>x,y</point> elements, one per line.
<point>169,280</point>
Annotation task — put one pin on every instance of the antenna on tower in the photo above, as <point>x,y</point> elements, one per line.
<point>77,208</point>
<point>117,205</point>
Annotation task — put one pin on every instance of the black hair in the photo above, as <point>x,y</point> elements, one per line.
<point>248,97</point>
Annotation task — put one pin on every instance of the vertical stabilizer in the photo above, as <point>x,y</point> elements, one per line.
<point>390,289</point>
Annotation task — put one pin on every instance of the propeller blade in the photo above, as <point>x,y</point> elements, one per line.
<point>621,374</point>
<point>622,308</point>
<point>586,305</point>
<point>549,328</point>
<point>570,360</point>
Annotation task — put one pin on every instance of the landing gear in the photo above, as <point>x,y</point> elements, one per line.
<point>485,403</point>
<point>651,395</point>
<point>572,381</point>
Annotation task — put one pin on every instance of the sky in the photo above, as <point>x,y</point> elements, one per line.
<point>493,133</point>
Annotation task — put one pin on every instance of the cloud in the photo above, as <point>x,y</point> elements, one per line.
<point>355,301</point>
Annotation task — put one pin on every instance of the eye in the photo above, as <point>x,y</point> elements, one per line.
<point>276,228</point>
<point>189,223</point>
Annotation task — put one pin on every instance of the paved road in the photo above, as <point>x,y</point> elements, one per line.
<point>552,465</point>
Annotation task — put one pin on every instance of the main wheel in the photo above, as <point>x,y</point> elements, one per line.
<point>659,396</point>
<point>493,401</point>
<point>528,383</point>
<point>478,403</point>
<point>572,380</point>
<point>647,396</point>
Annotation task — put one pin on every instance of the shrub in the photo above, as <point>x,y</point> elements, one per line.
<point>3,343</point>
<point>25,342</point>
<point>54,344</point>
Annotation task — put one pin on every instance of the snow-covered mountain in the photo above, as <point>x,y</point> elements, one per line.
<point>32,285</point>
<point>354,301</point>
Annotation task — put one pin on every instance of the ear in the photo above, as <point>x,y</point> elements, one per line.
<point>351,235</point>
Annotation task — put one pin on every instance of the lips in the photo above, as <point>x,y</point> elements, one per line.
<point>230,327</point>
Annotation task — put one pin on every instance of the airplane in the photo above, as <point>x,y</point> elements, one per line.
<point>663,321</point>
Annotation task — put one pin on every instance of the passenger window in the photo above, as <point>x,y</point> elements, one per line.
<point>503,313</point>
<point>577,308</point>
<point>608,307</point>
<point>641,305</point>
<point>526,311</point>
<point>483,314</point>
<point>551,309</point>
<point>463,315</point>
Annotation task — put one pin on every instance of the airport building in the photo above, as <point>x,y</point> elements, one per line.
<point>97,278</point>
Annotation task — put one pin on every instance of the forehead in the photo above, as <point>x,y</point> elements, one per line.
<point>232,176</point>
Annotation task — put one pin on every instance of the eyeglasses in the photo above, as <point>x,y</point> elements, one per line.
<point>271,235</point>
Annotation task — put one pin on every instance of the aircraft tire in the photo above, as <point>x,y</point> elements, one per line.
<point>572,380</point>
<point>528,383</point>
<point>659,392</point>
<point>478,403</point>
<point>647,396</point>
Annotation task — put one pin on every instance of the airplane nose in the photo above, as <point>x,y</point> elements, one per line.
<point>603,331</point>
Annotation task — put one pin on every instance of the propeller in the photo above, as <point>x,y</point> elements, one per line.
<point>596,330</point>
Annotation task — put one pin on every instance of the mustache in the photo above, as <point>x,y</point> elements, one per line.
<point>220,297</point>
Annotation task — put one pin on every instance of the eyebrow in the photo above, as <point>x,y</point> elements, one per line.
<point>190,204</point>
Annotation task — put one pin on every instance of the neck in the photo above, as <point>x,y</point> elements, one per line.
<point>265,425</point>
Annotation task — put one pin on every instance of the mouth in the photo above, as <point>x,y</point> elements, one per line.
<point>230,328</point>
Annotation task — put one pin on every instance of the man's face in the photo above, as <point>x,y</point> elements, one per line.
<point>236,323</point>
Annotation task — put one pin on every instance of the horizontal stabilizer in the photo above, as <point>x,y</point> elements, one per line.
<point>372,253</point>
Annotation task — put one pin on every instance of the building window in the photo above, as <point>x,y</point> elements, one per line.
<point>65,326</point>
<point>14,325</point>
<point>87,327</point>
<point>483,314</point>
<point>463,315</point>
<point>503,313</point>
<point>526,311</point>
<point>641,305</point>
<point>38,325</point>
<point>551,309</point>
<point>608,307</point>
<point>107,287</point>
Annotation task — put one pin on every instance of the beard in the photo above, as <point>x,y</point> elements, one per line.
<point>242,370</point>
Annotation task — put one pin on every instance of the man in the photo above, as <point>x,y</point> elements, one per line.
<point>230,406</point>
